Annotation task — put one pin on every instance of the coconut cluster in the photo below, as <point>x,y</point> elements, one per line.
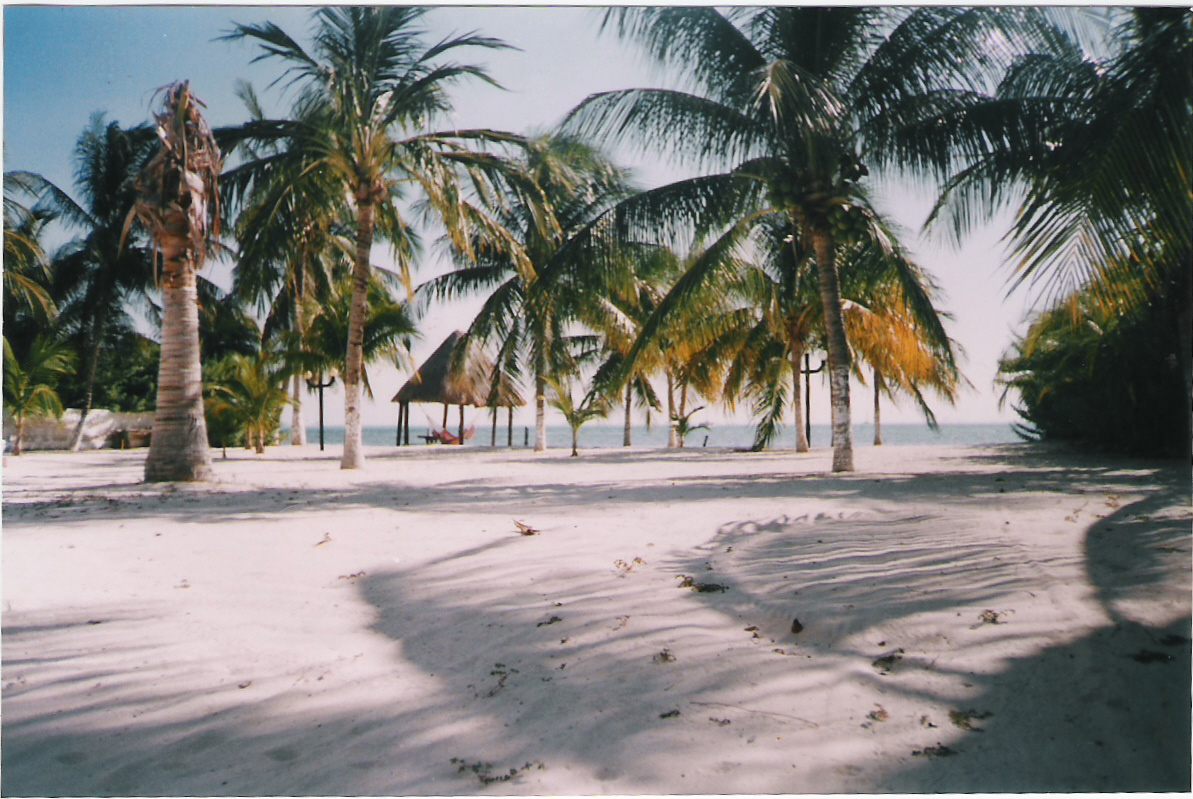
<point>818,197</point>
<point>847,221</point>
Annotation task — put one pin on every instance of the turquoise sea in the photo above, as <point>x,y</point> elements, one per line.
<point>735,436</point>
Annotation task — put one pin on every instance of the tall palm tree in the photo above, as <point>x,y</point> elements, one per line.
<point>654,270</point>
<point>98,274</point>
<point>535,290</point>
<point>289,235</point>
<point>178,203</point>
<point>787,110</point>
<point>369,86</point>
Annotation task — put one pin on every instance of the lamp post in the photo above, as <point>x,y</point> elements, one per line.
<point>807,372</point>
<point>315,381</point>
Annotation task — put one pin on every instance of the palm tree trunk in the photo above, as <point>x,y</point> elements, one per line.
<point>801,434</point>
<point>670,411</point>
<point>298,427</point>
<point>354,457</point>
<point>575,441</point>
<point>178,448</point>
<point>18,446</point>
<point>629,405</point>
<point>540,404</point>
<point>76,441</point>
<point>683,412</point>
<point>877,410</point>
<point>838,348</point>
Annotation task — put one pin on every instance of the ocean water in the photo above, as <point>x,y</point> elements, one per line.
<point>593,436</point>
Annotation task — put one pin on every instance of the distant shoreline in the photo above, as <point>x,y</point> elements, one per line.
<point>737,436</point>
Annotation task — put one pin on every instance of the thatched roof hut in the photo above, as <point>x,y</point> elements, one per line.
<point>467,384</point>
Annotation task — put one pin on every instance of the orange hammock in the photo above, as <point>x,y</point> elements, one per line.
<point>449,438</point>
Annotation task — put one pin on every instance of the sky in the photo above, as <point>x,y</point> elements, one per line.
<point>64,63</point>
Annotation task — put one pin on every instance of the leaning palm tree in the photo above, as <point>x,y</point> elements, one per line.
<point>369,87</point>
<point>178,203</point>
<point>786,111</point>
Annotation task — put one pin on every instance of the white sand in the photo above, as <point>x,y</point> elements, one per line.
<point>294,629</point>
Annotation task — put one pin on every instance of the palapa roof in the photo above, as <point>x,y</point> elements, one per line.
<point>435,382</point>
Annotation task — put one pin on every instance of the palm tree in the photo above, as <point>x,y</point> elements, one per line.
<point>595,405</point>
<point>289,234</point>
<point>251,392</point>
<point>388,331</point>
<point>893,324</point>
<point>225,326</point>
<point>536,287</point>
<point>29,382</point>
<point>628,309</point>
<point>98,274</point>
<point>1098,371</point>
<point>1095,154</point>
<point>787,111</point>
<point>177,201</point>
<point>26,267</point>
<point>369,87</point>
<point>685,426</point>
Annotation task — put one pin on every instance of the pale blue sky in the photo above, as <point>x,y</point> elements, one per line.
<point>61,64</point>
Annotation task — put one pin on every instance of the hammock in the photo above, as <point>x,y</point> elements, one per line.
<point>450,438</point>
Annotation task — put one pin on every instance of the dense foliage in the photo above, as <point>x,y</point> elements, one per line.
<point>1103,380</point>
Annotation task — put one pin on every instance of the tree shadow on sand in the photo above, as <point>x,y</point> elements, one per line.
<point>1080,707</point>
<point>618,679</point>
<point>1117,697</point>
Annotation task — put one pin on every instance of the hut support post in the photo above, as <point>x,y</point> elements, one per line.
<point>461,425</point>
<point>493,437</point>
<point>398,434</point>
<point>510,441</point>
<point>406,426</point>
<point>445,409</point>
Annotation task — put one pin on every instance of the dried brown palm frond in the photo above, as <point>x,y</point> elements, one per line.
<point>178,198</point>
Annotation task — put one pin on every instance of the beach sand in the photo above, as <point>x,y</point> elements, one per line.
<point>1010,618</point>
